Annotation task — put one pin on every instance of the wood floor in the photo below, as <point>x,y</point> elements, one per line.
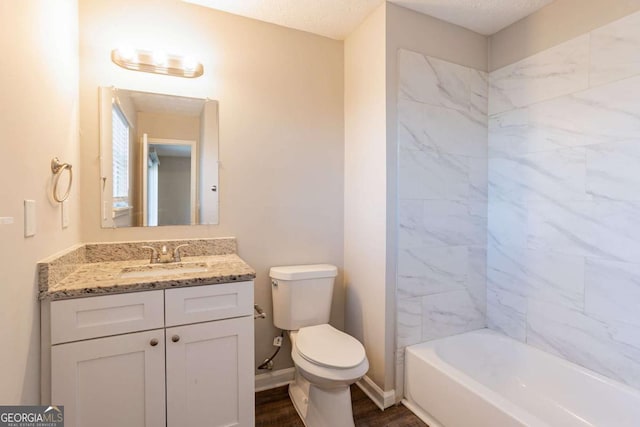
<point>274,409</point>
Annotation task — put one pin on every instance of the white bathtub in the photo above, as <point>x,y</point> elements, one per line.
<point>483,378</point>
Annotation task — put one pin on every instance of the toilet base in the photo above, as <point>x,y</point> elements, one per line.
<point>321,407</point>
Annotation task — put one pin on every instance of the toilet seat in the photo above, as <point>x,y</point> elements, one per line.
<point>328,377</point>
<point>328,347</point>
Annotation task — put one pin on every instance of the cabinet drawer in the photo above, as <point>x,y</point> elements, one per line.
<point>211,302</point>
<point>84,318</point>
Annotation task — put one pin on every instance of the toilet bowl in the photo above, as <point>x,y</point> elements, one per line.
<point>327,361</point>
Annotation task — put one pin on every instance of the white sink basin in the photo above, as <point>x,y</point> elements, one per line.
<point>162,270</point>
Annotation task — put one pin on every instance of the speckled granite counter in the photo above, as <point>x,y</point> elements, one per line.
<point>97,269</point>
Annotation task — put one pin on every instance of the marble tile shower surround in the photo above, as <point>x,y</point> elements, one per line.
<point>55,268</point>
<point>563,250</point>
<point>442,199</point>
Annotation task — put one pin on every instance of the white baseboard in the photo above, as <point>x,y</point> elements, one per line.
<point>382,399</point>
<point>274,379</point>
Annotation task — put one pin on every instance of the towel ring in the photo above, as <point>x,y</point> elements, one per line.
<point>57,168</point>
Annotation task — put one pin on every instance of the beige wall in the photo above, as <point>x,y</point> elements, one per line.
<point>39,107</point>
<point>365,191</point>
<point>553,24</point>
<point>281,131</point>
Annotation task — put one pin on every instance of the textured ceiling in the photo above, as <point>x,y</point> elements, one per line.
<point>338,18</point>
<point>482,16</point>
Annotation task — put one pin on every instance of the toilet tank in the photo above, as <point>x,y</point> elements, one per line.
<point>302,295</point>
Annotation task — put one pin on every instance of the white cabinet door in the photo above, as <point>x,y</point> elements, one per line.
<point>114,381</point>
<point>210,379</point>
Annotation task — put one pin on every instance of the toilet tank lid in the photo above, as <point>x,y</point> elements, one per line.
<point>300,272</point>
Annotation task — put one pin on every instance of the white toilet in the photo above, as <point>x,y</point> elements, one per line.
<point>327,360</point>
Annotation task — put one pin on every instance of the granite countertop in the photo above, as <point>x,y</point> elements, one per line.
<point>72,275</point>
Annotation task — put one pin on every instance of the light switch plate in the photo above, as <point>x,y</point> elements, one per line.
<point>6,220</point>
<point>29,218</point>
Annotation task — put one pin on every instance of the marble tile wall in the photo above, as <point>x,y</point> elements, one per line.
<point>563,249</point>
<point>442,199</point>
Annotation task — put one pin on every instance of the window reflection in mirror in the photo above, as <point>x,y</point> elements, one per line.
<point>159,159</point>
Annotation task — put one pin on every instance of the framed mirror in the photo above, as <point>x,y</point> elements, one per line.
<point>158,159</point>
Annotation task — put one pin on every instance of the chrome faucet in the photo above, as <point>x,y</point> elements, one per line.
<point>154,254</point>
<point>164,256</point>
<point>176,252</point>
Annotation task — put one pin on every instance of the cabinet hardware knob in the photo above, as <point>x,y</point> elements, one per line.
<point>153,342</point>
<point>175,338</point>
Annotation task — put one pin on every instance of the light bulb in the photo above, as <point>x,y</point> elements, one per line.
<point>189,63</point>
<point>127,53</point>
<point>159,58</point>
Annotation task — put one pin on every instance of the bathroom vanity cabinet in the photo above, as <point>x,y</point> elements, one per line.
<point>177,357</point>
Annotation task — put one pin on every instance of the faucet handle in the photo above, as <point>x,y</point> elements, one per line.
<point>176,252</point>
<point>154,254</point>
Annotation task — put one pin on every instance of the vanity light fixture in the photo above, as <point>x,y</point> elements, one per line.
<point>157,62</point>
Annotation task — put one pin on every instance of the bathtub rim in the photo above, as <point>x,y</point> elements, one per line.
<point>482,392</point>
<point>428,354</point>
<point>545,354</point>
